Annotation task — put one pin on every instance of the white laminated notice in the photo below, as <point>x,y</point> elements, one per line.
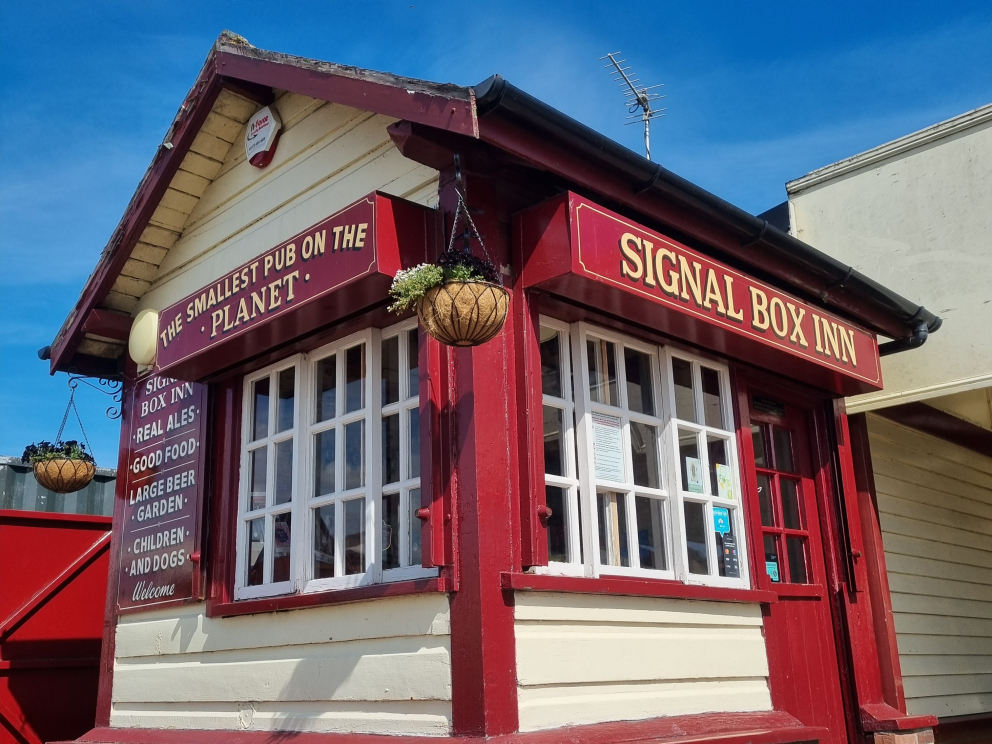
<point>607,442</point>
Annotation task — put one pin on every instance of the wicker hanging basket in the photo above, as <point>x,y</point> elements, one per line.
<point>64,476</point>
<point>464,313</point>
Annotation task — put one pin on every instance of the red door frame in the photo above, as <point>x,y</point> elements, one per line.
<point>790,655</point>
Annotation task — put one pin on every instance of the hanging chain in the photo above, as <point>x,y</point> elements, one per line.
<point>72,407</point>
<point>462,209</point>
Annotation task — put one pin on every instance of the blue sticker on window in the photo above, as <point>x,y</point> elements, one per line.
<point>772,568</point>
<point>721,520</point>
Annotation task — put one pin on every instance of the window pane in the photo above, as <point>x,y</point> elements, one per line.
<point>415,526</point>
<point>354,455</point>
<point>391,530</point>
<point>323,542</point>
<point>639,391</point>
<point>414,442</point>
<point>327,383</point>
<point>557,523</point>
<point>287,398</point>
<point>689,462</point>
<point>390,370</point>
<point>391,448</point>
<point>354,536</point>
<point>771,558</point>
<point>284,472</point>
<point>758,442</point>
<point>256,552</point>
<point>765,500</point>
<point>790,504</point>
<point>685,402</point>
<point>554,441</point>
<point>551,363</point>
<point>695,537</point>
<point>260,407</point>
<point>413,363</point>
<point>651,532</point>
<point>783,450</point>
<point>796,548</point>
<point>282,549</point>
<point>712,403</point>
<point>644,455</point>
<point>721,482</point>
<point>602,364</point>
<point>323,448</point>
<point>354,395</point>
<point>256,495</point>
<point>613,529</point>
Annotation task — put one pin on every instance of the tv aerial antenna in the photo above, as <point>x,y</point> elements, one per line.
<point>639,97</point>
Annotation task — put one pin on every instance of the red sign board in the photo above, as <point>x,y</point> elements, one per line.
<point>576,248</point>
<point>161,528</point>
<point>331,268</point>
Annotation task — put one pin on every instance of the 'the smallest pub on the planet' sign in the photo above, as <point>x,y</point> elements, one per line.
<point>161,529</point>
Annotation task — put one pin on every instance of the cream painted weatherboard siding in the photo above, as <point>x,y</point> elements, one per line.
<point>382,666</point>
<point>328,157</point>
<point>586,658</point>
<point>935,504</point>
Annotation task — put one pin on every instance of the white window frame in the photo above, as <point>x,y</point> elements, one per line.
<point>570,480</point>
<point>242,590</point>
<point>735,505</point>
<point>672,491</point>
<point>590,486</point>
<point>304,460</point>
<point>408,401</point>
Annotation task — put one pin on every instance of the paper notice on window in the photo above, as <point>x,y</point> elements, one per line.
<point>724,483</point>
<point>694,475</point>
<point>607,442</point>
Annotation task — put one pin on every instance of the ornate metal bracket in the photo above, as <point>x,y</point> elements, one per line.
<point>113,388</point>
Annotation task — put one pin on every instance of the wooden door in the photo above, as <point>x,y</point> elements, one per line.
<point>785,529</point>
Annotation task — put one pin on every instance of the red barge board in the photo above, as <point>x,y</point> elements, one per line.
<point>581,251</point>
<point>341,265</point>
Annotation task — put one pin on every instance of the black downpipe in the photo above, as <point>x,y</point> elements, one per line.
<point>496,95</point>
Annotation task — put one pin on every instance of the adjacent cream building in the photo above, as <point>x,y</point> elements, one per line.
<point>916,214</point>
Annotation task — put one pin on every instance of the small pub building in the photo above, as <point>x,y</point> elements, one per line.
<point>633,515</point>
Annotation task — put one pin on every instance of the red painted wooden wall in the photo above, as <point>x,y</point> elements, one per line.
<point>53,588</point>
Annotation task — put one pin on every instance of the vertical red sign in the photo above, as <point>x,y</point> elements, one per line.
<point>164,483</point>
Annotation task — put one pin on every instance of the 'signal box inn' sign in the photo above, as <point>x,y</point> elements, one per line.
<point>160,533</point>
<point>576,249</point>
<point>331,269</point>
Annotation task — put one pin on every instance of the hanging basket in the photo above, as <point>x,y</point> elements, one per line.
<point>64,476</point>
<point>463,313</point>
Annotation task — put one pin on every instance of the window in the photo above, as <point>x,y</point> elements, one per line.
<point>652,487</point>
<point>784,527</point>
<point>707,469</point>
<point>330,473</point>
<point>561,485</point>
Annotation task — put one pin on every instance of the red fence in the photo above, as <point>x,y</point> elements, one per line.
<point>53,588</point>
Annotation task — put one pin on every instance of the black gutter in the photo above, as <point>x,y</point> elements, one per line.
<point>496,95</point>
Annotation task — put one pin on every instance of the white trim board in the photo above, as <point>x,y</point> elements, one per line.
<point>892,149</point>
<point>860,405</point>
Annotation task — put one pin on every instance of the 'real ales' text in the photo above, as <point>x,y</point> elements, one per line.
<point>733,298</point>
<point>264,286</point>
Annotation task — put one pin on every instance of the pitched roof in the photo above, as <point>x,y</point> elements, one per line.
<point>435,120</point>
<point>235,80</point>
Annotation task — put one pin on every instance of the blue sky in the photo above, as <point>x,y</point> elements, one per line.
<point>757,94</point>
